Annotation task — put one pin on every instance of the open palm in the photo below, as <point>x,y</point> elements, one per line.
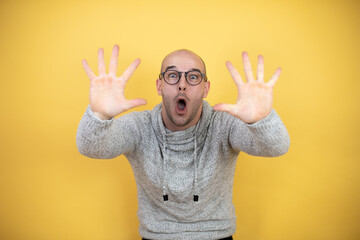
<point>107,98</point>
<point>255,97</point>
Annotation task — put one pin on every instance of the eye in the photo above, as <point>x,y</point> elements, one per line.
<point>172,75</point>
<point>193,77</point>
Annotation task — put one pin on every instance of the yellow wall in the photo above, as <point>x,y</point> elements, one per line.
<point>49,191</point>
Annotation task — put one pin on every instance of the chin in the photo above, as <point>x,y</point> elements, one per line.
<point>180,121</point>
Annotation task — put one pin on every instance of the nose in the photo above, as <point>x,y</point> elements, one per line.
<point>182,83</point>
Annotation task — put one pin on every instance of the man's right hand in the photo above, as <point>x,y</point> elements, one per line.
<point>107,98</point>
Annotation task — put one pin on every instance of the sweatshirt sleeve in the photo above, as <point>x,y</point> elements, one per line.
<point>267,137</point>
<point>105,139</point>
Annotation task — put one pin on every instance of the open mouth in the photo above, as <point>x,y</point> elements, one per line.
<point>181,106</point>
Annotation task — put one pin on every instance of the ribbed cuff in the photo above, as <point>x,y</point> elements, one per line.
<point>94,122</point>
<point>266,124</point>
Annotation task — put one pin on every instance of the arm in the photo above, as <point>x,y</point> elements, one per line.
<point>256,129</point>
<point>105,139</point>
<point>99,134</point>
<point>267,137</point>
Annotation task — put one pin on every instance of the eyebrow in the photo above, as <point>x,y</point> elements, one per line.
<point>169,68</point>
<point>191,69</point>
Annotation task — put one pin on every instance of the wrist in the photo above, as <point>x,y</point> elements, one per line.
<point>102,116</point>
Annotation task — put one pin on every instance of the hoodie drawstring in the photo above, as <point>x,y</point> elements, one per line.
<point>196,196</point>
<point>165,196</point>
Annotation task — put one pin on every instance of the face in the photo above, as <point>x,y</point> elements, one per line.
<point>182,102</point>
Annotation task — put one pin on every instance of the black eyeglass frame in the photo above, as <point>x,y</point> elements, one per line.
<point>203,76</point>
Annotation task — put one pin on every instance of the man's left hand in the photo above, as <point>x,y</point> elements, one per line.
<point>254,101</point>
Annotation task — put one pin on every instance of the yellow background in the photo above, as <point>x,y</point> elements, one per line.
<point>50,191</point>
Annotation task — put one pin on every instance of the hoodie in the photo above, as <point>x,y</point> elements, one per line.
<point>185,178</point>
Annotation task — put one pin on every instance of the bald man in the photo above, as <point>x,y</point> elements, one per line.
<point>183,152</point>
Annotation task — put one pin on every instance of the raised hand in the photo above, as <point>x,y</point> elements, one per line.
<point>107,98</point>
<point>254,101</point>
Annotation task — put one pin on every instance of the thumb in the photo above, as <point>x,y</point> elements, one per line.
<point>224,107</point>
<point>135,103</point>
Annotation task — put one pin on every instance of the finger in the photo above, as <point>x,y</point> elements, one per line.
<point>88,71</point>
<point>234,73</point>
<point>247,67</point>
<point>260,69</point>
<point>114,60</point>
<point>101,62</point>
<point>135,103</point>
<point>274,78</point>
<point>229,108</point>
<point>130,70</point>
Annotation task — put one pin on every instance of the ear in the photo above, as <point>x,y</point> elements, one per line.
<point>207,89</point>
<point>158,86</point>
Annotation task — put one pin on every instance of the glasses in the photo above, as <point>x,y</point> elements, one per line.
<point>193,77</point>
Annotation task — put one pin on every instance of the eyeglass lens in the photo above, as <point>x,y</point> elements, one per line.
<point>173,76</point>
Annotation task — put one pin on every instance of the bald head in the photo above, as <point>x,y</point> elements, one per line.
<point>183,55</point>
<point>182,100</point>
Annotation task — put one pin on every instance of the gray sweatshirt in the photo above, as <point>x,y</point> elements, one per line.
<point>184,179</point>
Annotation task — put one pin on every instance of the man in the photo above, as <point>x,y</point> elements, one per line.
<point>183,152</point>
